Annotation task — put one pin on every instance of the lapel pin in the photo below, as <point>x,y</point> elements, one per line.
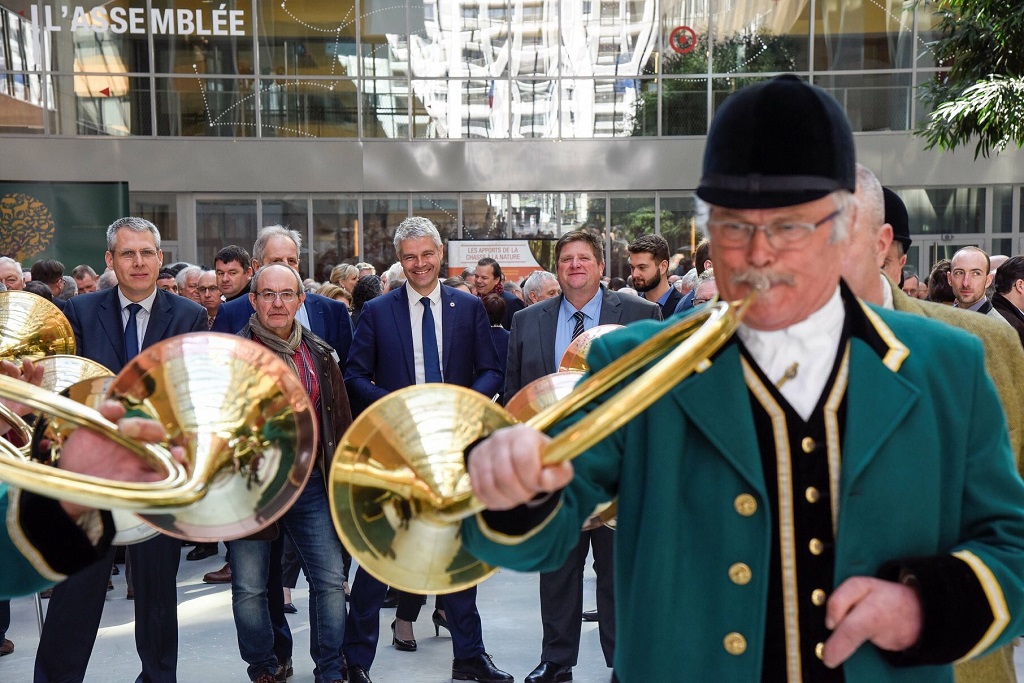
<point>452,304</point>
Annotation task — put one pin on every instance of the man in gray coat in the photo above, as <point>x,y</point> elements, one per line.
<point>540,335</point>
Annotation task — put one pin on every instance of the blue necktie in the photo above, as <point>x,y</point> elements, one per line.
<point>431,364</point>
<point>131,332</point>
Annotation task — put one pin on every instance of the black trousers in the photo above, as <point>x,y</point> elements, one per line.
<point>561,600</point>
<point>73,616</point>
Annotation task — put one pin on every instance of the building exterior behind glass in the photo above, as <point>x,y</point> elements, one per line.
<point>515,119</point>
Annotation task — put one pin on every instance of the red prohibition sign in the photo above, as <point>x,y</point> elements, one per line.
<point>683,39</point>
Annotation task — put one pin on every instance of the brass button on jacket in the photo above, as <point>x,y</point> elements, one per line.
<point>807,444</point>
<point>735,643</point>
<point>740,574</point>
<point>745,504</point>
<point>818,597</point>
<point>816,546</point>
<point>812,494</point>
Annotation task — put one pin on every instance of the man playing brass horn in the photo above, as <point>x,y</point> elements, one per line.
<point>799,528</point>
<point>44,540</point>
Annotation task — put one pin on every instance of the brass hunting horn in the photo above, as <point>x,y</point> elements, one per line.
<point>241,414</point>
<point>399,487</point>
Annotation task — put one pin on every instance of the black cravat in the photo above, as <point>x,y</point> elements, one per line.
<point>431,364</point>
<point>578,329</point>
<point>131,332</point>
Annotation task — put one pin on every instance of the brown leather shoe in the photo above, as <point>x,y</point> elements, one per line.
<point>222,575</point>
<point>6,647</point>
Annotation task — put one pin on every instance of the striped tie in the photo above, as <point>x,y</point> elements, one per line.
<point>578,329</point>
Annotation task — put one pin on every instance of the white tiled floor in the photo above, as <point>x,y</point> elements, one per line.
<point>208,651</point>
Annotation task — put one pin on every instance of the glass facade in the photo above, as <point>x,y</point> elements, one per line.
<point>378,81</point>
<point>442,69</point>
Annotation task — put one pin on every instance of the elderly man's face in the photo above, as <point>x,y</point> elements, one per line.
<point>277,300</point>
<point>191,288</point>
<point>969,276</point>
<point>208,292</point>
<point>801,276</point>
<point>549,289</point>
<point>12,277</point>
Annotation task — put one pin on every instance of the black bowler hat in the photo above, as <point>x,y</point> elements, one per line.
<point>778,143</point>
<point>896,216</point>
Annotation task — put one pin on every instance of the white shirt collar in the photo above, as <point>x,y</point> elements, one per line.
<point>805,351</point>
<point>414,296</point>
<point>146,303</point>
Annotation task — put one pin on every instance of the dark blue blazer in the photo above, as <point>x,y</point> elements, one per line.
<point>381,358</point>
<point>96,320</point>
<point>328,319</point>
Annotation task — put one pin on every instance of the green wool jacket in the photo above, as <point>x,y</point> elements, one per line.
<point>926,471</point>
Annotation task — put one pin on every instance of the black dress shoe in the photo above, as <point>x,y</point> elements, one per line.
<point>201,552</point>
<point>357,674</point>
<point>590,615</point>
<point>480,668</point>
<point>549,672</point>
<point>290,608</point>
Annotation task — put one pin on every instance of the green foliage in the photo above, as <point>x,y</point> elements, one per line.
<point>684,101</point>
<point>982,96</point>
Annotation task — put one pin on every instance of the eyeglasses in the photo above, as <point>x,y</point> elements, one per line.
<point>779,235</point>
<point>207,290</point>
<point>131,254</point>
<point>269,297</point>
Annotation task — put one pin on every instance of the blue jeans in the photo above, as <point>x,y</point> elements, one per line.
<point>308,525</point>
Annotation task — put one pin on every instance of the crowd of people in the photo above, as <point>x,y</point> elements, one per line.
<point>836,494</point>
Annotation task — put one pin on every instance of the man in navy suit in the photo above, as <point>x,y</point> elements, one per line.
<point>414,335</point>
<point>326,318</point>
<point>110,327</point>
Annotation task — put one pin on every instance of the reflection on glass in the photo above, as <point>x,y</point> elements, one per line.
<point>182,50</point>
<point>631,216</point>
<point>759,38</point>
<point>307,38</point>
<point>484,216</point>
<point>308,108</point>
<point>381,215</point>
<point>677,222</point>
<point>22,112</point>
<point>940,210</point>
<point>442,210</point>
<point>335,223</point>
<point>160,209</point>
<point>1002,208</point>
<point>216,107</point>
<point>871,35</point>
<point>872,101</point>
<point>223,222</point>
<point>534,214</point>
<point>386,110</point>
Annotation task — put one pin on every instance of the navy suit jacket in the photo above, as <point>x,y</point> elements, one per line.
<point>328,319</point>
<point>99,334</point>
<point>381,359</point>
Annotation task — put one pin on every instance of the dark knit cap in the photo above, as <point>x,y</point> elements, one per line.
<point>896,216</point>
<point>778,143</point>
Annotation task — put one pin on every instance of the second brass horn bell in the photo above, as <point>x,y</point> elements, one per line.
<point>399,486</point>
<point>241,414</point>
